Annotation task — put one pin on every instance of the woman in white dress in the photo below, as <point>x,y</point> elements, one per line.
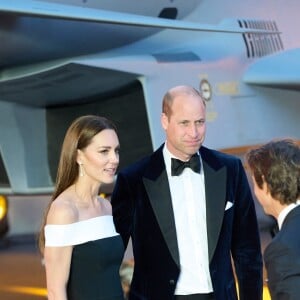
<point>81,249</point>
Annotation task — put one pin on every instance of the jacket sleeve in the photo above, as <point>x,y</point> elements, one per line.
<point>122,205</point>
<point>245,247</point>
<point>283,268</point>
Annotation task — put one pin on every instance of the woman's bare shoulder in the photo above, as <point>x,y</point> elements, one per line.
<point>62,210</point>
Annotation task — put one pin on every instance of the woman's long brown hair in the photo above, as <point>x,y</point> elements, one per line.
<point>78,136</point>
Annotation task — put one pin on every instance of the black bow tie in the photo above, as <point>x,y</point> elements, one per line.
<point>177,166</point>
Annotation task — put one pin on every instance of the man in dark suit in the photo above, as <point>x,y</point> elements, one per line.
<point>189,211</point>
<point>275,169</point>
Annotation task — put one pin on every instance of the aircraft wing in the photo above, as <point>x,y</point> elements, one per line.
<point>84,53</point>
<point>68,12</point>
<point>279,70</point>
<point>65,83</point>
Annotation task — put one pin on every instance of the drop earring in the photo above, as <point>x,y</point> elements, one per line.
<point>80,170</point>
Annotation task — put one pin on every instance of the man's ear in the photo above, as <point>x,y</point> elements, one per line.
<point>164,121</point>
<point>265,186</point>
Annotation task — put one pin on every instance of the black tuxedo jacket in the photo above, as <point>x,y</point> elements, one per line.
<point>282,259</point>
<point>142,209</point>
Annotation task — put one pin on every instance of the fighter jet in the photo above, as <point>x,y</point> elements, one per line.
<point>63,58</point>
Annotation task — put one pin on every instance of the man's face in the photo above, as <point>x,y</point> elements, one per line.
<point>185,129</point>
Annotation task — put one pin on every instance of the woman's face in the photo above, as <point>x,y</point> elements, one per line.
<point>100,158</point>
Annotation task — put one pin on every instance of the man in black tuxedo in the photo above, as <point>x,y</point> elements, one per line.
<point>275,169</point>
<point>188,210</point>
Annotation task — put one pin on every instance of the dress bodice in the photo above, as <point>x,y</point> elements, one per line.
<point>96,257</point>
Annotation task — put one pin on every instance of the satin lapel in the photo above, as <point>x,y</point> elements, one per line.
<point>215,192</point>
<point>160,198</point>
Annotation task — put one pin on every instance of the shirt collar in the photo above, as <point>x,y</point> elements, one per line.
<point>168,156</point>
<point>285,211</point>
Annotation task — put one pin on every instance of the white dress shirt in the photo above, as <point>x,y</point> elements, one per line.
<point>285,212</point>
<point>189,206</point>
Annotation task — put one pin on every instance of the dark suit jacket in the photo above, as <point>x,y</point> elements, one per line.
<point>282,259</point>
<point>142,209</point>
